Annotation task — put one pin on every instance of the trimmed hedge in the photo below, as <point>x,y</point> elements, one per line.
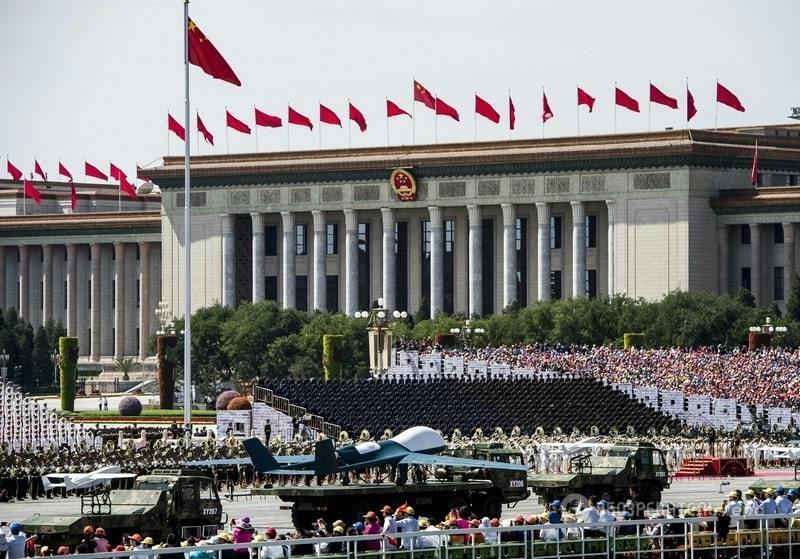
<point>225,398</point>
<point>166,370</point>
<point>332,355</point>
<point>240,403</point>
<point>632,340</point>
<point>67,364</point>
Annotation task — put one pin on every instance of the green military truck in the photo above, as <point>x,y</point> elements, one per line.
<point>610,472</point>
<point>485,491</point>
<point>164,502</point>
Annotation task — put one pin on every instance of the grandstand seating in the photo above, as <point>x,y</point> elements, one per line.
<point>447,404</point>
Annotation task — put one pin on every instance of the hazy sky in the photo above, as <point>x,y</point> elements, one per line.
<point>94,79</point>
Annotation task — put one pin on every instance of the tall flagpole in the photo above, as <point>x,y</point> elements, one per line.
<point>227,144</point>
<point>187,242</point>
<point>197,129</point>
<point>475,122</point>
<point>716,106</point>
<point>649,106</point>
<point>388,143</point>
<point>288,125</point>
<point>578,112</point>
<point>615,107</point>
<point>509,113</point>
<point>413,113</point>
<point>256,127</point>
<point>349,127</point>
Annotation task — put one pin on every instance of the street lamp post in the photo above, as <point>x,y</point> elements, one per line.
<point>466,332</point>
<point>54,359</point>
<point>379,327</point>
<point>759,336</point>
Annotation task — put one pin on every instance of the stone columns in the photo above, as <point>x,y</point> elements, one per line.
<point>24,282</point>
<point>72,290</point>
<point>95,298</point>
<point>543,242</point>
<point>145,308</point>
<point>288,254</point>
<point>475,270</point>
<point>119,300</point>
<point>320,287</point>
<point>47,283</point>
<point>2,277</point>
<point>350,262</point>
<point>437,260</point>
<point>755,262</point>
<point>388,253</point>
<point>722,264</point>
<point>228,264</point>
<point>509,254</point>
<point>788,258</point>
<point>610,243</point>
<point>578,249</point>
<point>258,256</point>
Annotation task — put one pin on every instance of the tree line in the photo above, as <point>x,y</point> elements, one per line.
<point>29,352</point>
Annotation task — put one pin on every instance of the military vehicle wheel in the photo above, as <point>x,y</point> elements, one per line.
<point>654,496</point>
<point>492,507</point>
<point>571,501</point>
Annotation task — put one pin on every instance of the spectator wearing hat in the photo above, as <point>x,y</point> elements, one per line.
<point>372,527</point>
<point>406,523</point>
<point>272,551</point>
<point>768,505</point>
<point>45,551</point>
<point>476,537</point>
<point>552,532</point>
<point>336,545</point>
<point>64,550</point>
<point>16,542</point>
<point>389,528</point>
<point>242,533</point>
<point>223,538</point>
<point>357,529</point>
<point>101,541</point>
<point>606,517</point>
<point>433,538</point>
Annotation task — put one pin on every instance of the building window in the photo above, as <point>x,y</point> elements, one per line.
<point>401,265</point>
<point>745,282</point>
<point>138,293</point>
<point>425,288</point>
<point>555,231</point>
<point>522,260</point>
<point>792,180</point>
<point>363,267</point>
<point>591,283</point>
<point>301,239</point>
<point>777,233</point>
<point>138,255</point>
<point>271,240</point>
<point>488,266</point>
<point>778,283</point>
<point>65,293</point>
<point>555,285</point>
<point>332,293</point>
<point>591,231</point>
<point>301,293</point>
<point>271,288</point>
<point>449,265</point>
<point>759,179</point>
<point>332,238</point>
<point>745,232</point>
<point>113,293</point>
<point>41,295</point>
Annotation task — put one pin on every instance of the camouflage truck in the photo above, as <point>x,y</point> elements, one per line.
<point>610,473</point>
<point>485,491</point>
<point>164,502</point>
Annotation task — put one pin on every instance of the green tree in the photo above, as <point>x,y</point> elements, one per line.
<point>793,304</point>
<point>42,365</point>
<point>354,352</point>
<point>746,298</point>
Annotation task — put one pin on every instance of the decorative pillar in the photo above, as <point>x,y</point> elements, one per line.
<point>119,300</point>
<point>543,243</point>
<point>351,262</point>
<point>389,273</point>
<point>95,298</point>
<point>288,254</point>
<point>258,256</point>
<point>144,299</point>
<point>578,249</point>
<point>755,262</point>
<point>228,264</point>
<point>610,243</point>
<point>47,283</point>
<point>722,265</point>
<point>24,281</point>
<point>320,287</point>
<point>788,258</point>
<point>475,269</point>
<point>437,260</point>
<point>72,291</point>
<point>509,254</point>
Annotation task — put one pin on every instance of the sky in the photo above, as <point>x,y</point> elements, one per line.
<point>94,79</point>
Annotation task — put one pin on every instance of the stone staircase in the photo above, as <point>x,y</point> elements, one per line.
<point>695,467</point>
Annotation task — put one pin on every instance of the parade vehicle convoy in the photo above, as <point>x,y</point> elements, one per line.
<point>612,472</point>
<point>164,502</point>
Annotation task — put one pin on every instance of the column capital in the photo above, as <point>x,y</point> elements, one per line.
<point>387,218</point>
<point>258,222</point>
<point>144,247</point>
<point>350,219</point>
<point>227,223</point>
<point>435,213</point>
<point>543,210</point>
<point>788,232</point>
<point>319,220</point>
<point>71,250</point>
<point>577,207</point>
<point>119,247</point>
<point>610,204</point>
<point>95,249</point>
<point>509,214</point>
<point>47,249</point>
<point>474,214</point>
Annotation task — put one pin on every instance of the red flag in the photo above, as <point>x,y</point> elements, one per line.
<point>393,109</point>
<point>264,119</point>
<point>38,170</point>
<point>73,196</point>
<point>176,127</point>
<point>658,96</point>
<point>201,127</point>
<point>358,117</point>
<point>299,119</point>
<point>63,171</point>
<point>424,96</point>
<point>726,97</point>
<point>754,169</point>
<point>202,53</point>
<point>15,173</point>
<point>126,187</point>
<point>512,114</point>
<point>236,124</point>
<point>585,99</point>
<point>485,109</point>
<point>624,100</point>
<point>91,171</point>
<point>115,172</point>
<point>327,116</point>
<point>443,108</point>
<point>691,109</point>
<point>31,192</point>
<point>547,113</point>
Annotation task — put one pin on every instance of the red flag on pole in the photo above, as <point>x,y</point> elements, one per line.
<point>202,53</point>
<point>327,116</point>
<point>38,170</point>
<point>73,196</point>
<point>485,109</point>
<point>15,173</point>
<point>91,171</point>
<point>754,169</point>
<point>424,96</point>
<point>547,113</point>
<point>31,191</point>
<point>236,124</point>
<point>270,121</point>
<point>126,187</point>
<point>358,117</point>
<point>624,100</point>
<point>691,109</point>
<point>393,109</point>
<point>512,114</point>
<point>585,99</point>
<point>201,127</point>
<point>658,96</point>
<point>115,172</point>
<point>727,97</point>
<point>176,127</point>
<point>444,109</point>
<point>299,119</point>
<point>63,171</point>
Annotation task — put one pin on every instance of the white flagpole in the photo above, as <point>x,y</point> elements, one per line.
<point>349,127</point>
<point>288,125</point>
<point>197,128</point>
<point>435,120</point>
<point>255,125</point>
<point>615,107</point>
<point>716,105</point>
<point>509,113</point>
<point>227,144</point>
<point>388,143</point>
<point>187,219</point>
<point>413,112</point>
<point>578,111</point>
<point>649,106</point>
<point>167,134</point>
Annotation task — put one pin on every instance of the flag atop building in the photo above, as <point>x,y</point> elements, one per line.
<point>15,173</point>
<point>233,122</point>
<point>658,96</point>
<point>422,95</point>
<point>299,119</point>
<point>727,97</point>
<point>63,171</point>
<point>691,108</point>
<point>444,109</point>
<point>393,109</point>
<point>204,54</point>
<point>31,191</point>
<point>547,112</point>
<point>485,109</point>
<point>358,117</point>
<point>201,128</point>
<point>327,116</point>
<point>267,120</point>
<point>91,171</point>
<point>176,127</point>
<point>585,99</point>
<point>624,100</point>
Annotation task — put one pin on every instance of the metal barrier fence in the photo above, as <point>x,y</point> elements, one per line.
<point>774,536</point>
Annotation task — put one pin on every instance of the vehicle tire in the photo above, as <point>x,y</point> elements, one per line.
<point>492,507</point>
<point>302,520</point>
<point>654,497</point>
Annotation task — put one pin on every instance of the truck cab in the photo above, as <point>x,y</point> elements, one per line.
<point>512,484</point>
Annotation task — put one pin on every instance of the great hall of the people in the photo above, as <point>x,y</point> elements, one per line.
<point>457,228</point>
